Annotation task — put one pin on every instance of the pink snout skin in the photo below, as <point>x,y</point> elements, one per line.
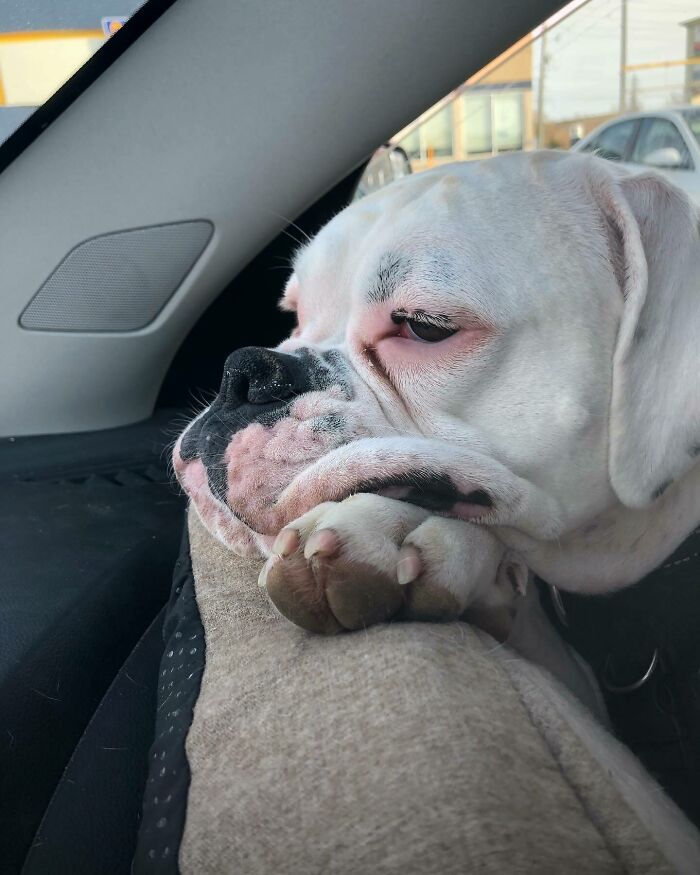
<point>218,519</point>
<point>260,463</point>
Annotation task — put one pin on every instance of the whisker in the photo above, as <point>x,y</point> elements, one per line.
<point>290,223</point>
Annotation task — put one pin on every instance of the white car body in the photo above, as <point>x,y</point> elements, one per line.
<point>675,155</point>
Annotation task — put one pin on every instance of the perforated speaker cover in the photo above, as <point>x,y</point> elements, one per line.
<point>119,281</point>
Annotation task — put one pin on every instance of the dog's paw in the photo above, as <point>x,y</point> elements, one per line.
<point>335,567</point>
<point>365,560</point>
<point>453,569</point>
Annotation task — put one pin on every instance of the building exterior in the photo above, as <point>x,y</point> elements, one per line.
<point>56,39</point>
<point>563,134</point>
<point>692,53</point>
<point>488,114</point>
<point>34,64</point>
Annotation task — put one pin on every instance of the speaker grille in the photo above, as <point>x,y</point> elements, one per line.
<point>117,282</point>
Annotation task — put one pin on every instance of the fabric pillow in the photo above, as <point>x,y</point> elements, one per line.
<point>406,748</point>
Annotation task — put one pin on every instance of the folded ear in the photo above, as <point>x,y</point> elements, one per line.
<point>655,409</point>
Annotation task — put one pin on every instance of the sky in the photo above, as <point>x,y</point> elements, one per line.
<point>583,56</point>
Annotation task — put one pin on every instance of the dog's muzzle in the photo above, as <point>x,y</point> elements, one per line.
<point>259,386</point>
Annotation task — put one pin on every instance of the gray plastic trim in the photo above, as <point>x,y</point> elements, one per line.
<point>119,281</point>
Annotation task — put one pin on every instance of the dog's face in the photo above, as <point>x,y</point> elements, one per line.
<point>457,346</point>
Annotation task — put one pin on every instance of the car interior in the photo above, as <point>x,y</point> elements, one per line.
<point>148,214</point>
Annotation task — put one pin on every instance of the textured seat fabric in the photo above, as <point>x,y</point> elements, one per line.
<point>86,566</point>
<point>90,825</point>
<point>408,748</point>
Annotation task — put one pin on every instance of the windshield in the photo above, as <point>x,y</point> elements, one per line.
<point>692,117</point>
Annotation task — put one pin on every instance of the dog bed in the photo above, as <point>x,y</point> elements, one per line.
<point>407,748</point>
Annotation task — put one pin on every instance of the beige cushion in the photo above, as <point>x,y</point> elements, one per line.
<point>409,748</point>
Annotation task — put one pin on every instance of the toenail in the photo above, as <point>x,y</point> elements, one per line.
<point>324,541</point>
<point>286,542</point>
<point>262,577</point>
<point>408,569</point>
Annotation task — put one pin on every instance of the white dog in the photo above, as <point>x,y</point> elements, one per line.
<point>495,368</point>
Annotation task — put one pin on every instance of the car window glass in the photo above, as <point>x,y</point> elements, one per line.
<point>657,134</point>
<point>477,126</point>
<point>507,121</point>
<point>612,143</point>
<point>582,71</point>
<point>43,43</point>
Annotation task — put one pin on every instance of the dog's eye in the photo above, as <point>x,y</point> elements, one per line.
<point>428,333</point>
<point>423,327</point>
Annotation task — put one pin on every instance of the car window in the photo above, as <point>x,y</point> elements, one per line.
<point>433,139</point>
<point>43,43</point>
<point>478,130</point>
<point>613,142</point>
<point>583,70</point>
<point>658,134</point>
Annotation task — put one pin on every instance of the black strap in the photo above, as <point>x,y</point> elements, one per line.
<point>179,680</point>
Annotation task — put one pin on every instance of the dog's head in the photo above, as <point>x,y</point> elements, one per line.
<point>511,341</point>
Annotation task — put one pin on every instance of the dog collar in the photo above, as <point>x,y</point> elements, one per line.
<point>643,644</point>
<point>627,635</point>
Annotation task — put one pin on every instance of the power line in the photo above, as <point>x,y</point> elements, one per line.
<point>591,24</point>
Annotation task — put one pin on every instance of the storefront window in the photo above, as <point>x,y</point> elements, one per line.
<point>507,111</point>
<point>436,135</point>
<point>476,123</point>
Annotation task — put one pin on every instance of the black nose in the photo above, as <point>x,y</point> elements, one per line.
<point>255,375</point>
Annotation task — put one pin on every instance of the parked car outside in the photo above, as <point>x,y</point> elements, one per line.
<point>666,140</point>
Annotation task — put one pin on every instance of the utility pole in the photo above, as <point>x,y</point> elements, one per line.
<point>540,90</point>
<point>623,55</point>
